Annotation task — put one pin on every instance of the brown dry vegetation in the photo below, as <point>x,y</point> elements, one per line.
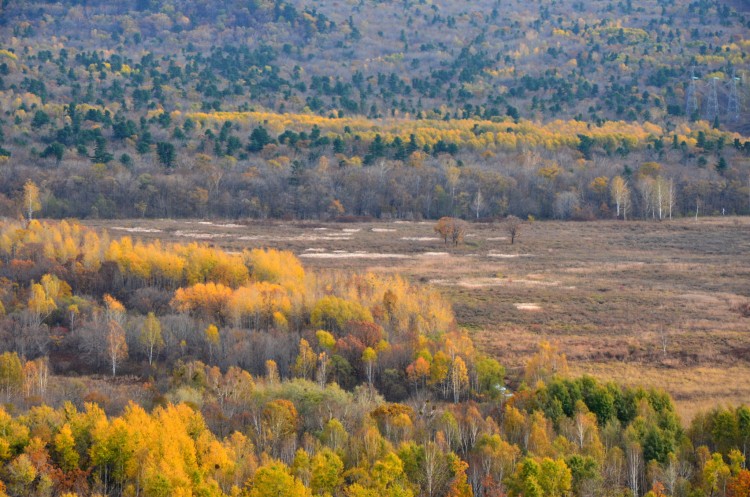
<point>637,302</point>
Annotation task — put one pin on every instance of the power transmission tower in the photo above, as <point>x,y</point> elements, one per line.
<point>691,101</point>
<point>733,104</point>
<point>712,101</point>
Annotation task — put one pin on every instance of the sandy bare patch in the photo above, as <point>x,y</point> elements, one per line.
<point>136,230</point>
<point>201,236</point>
<point>489,282</point>
<point>315,250</point>
<point>220,225</point>
<point>340,254</point>
<point>700,298</point>
<point>351,230</point>
<point>320,229</point>
<point>527,306</point>
<point>507,256</point>
<point>434,254</point>
<point>420,238</point>
<point>313,238</point>
<point>481,282</point>
<point>471,282</point>
<point>382,230</point>
<point>604,268</point>
<point>298,238</point>
<point>534,282</point>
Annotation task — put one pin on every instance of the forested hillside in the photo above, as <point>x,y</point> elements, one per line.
<point>153,368</point>
<point>383,109</point>
<point>243,374</point>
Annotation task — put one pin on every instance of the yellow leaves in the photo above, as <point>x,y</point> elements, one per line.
<point>215,459</point>
<point>65,448</point>
<point>599,185</point>
<point>212,334</point>
<point>459,378</point>
<point>547,363</point>
<point>117,346</point>
<point>193,263</point>
<point>304,365</point>
<point>275,266</point>
<point>40,303</point>
<point>113,306</point>
<point>325,339</point>
<point>257,304</point>
<point>334,312</point>
<point>209,299</point>
<point>497,135</point>
<point>275,479</point>
<point>650,169</point>
<point>652,129</point>
<point>55,288</point>
<point>31,202</point>
<point>8,54</point>
<point>336,208</point>
<point>419,370</point>
<point>550,172</point>
<point>280,322</point>
<point>203,263</point>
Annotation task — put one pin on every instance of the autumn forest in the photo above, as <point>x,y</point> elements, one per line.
<point>161,363</point>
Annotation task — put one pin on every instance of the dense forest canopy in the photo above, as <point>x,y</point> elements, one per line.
<point>322,109</point>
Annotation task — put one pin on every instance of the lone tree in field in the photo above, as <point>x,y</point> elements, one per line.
<point>451,228</point>
<point>513,227</point>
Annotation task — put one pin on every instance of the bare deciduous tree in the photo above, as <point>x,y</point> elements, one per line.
<point>513,227</point>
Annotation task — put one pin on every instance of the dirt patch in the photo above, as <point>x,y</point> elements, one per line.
<point>352,255</point>
<point>700,298</point>
<point>222,225</point>
<point>136,229</point>
<point>507,256</point>
<point>201,236</point>
<point>526,306</point>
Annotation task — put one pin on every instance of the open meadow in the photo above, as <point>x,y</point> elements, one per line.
<point>638,302</point>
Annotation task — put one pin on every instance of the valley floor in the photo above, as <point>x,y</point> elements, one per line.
<point>639,302</point>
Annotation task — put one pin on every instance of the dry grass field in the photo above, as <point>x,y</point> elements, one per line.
<point>638,302</point>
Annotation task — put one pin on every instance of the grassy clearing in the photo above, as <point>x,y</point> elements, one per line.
<point>638,302</point>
